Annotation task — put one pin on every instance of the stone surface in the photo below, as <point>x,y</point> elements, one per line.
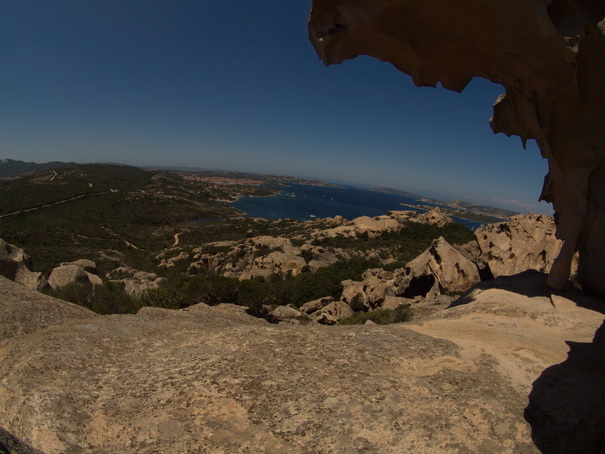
<point>67,274</point>
<point>16,265</point>
<point>275,262</point>
<point>285,312</point>
<point>135,282</point>
<point>549,55</point>
<point>87,265</point>
<point>433,217</point>
<point>81,271</point>
<point>333,313</point>
<point>515,369</point>
<point>526,242</point>
<point>375,226</point>
<point>312,306</point>
<point>438,270</point>
<point>23,311</point>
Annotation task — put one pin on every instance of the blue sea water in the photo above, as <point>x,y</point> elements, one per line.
<point>303,203</point>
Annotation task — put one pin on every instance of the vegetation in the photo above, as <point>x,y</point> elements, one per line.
<point>380,316</point>
<point>124,216</point>
<point>109,298</point>
<point>77,211</point>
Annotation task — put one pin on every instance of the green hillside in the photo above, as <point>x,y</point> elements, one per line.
<point>77,211</point>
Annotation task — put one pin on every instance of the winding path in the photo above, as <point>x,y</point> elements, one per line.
<point>177,239</point>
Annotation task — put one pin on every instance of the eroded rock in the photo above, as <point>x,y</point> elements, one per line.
<point>285,313</point>
<point>64,275</point>
<point>135,282</point>
<point>333,313</point>
<point>440,269</point>
<point>526,242</point>
<point>16,265</point>
<point>549,57</point>
<point>315,305</point>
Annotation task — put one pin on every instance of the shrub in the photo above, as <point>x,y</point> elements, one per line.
<point>109,298</point>
<point>380,316</point>
<point>181,291</point>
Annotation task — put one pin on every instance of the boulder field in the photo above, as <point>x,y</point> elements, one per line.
<point>511,367</point>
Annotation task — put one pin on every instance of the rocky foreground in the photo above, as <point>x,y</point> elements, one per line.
<point>511,368</point>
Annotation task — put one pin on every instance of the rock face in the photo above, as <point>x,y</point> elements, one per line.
<point>135,282</point>
<point>333,313</point>
<point>439,269</point>
<point>213,379</point>
<point>23,311</point>
<point>16,265</point>
<point>80,271</point>
<point>526,242</point>
<point>548,55</point>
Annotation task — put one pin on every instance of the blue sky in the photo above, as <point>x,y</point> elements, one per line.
<point>237,85</point>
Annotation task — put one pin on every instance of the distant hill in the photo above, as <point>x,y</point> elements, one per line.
<point>255,178</point>
<point>11,168</point>
<point>411,195</point>
<point>78,210</point>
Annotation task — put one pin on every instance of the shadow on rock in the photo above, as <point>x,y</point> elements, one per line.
<point>9,444</point>
<point>567,404</point>
<point>530,283</point>
<point>566,408</point>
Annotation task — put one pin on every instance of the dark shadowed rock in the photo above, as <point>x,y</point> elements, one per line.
<point>16,265</point>
<point>9,444</point>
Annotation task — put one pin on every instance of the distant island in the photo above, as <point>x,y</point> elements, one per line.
<point>231,177</point>
<point>456,208</point>
<point>411,195</point>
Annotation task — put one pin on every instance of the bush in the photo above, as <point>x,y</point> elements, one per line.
<point>109,298</point>
<point>380,316</point>
<point>254,295</point>
<point>181,291</point>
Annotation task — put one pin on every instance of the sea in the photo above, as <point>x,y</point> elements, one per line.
<point>303,203</point>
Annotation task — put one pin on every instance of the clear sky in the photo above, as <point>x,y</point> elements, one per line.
<point>237,85</point>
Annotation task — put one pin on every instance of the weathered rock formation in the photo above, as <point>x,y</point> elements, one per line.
<point>80,271</point>
<point>549,55</point>
<point>135,282</point>
<point>438,270</point>
<point>214,379</point>
<point>526,242</point>
<point>393,221</point>
<point>16,265</point>
<point>333,313</point>
<point>428,282</point>
<point>263,256</point>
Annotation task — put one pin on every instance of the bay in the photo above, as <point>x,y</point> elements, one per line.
<point>303,203</point>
